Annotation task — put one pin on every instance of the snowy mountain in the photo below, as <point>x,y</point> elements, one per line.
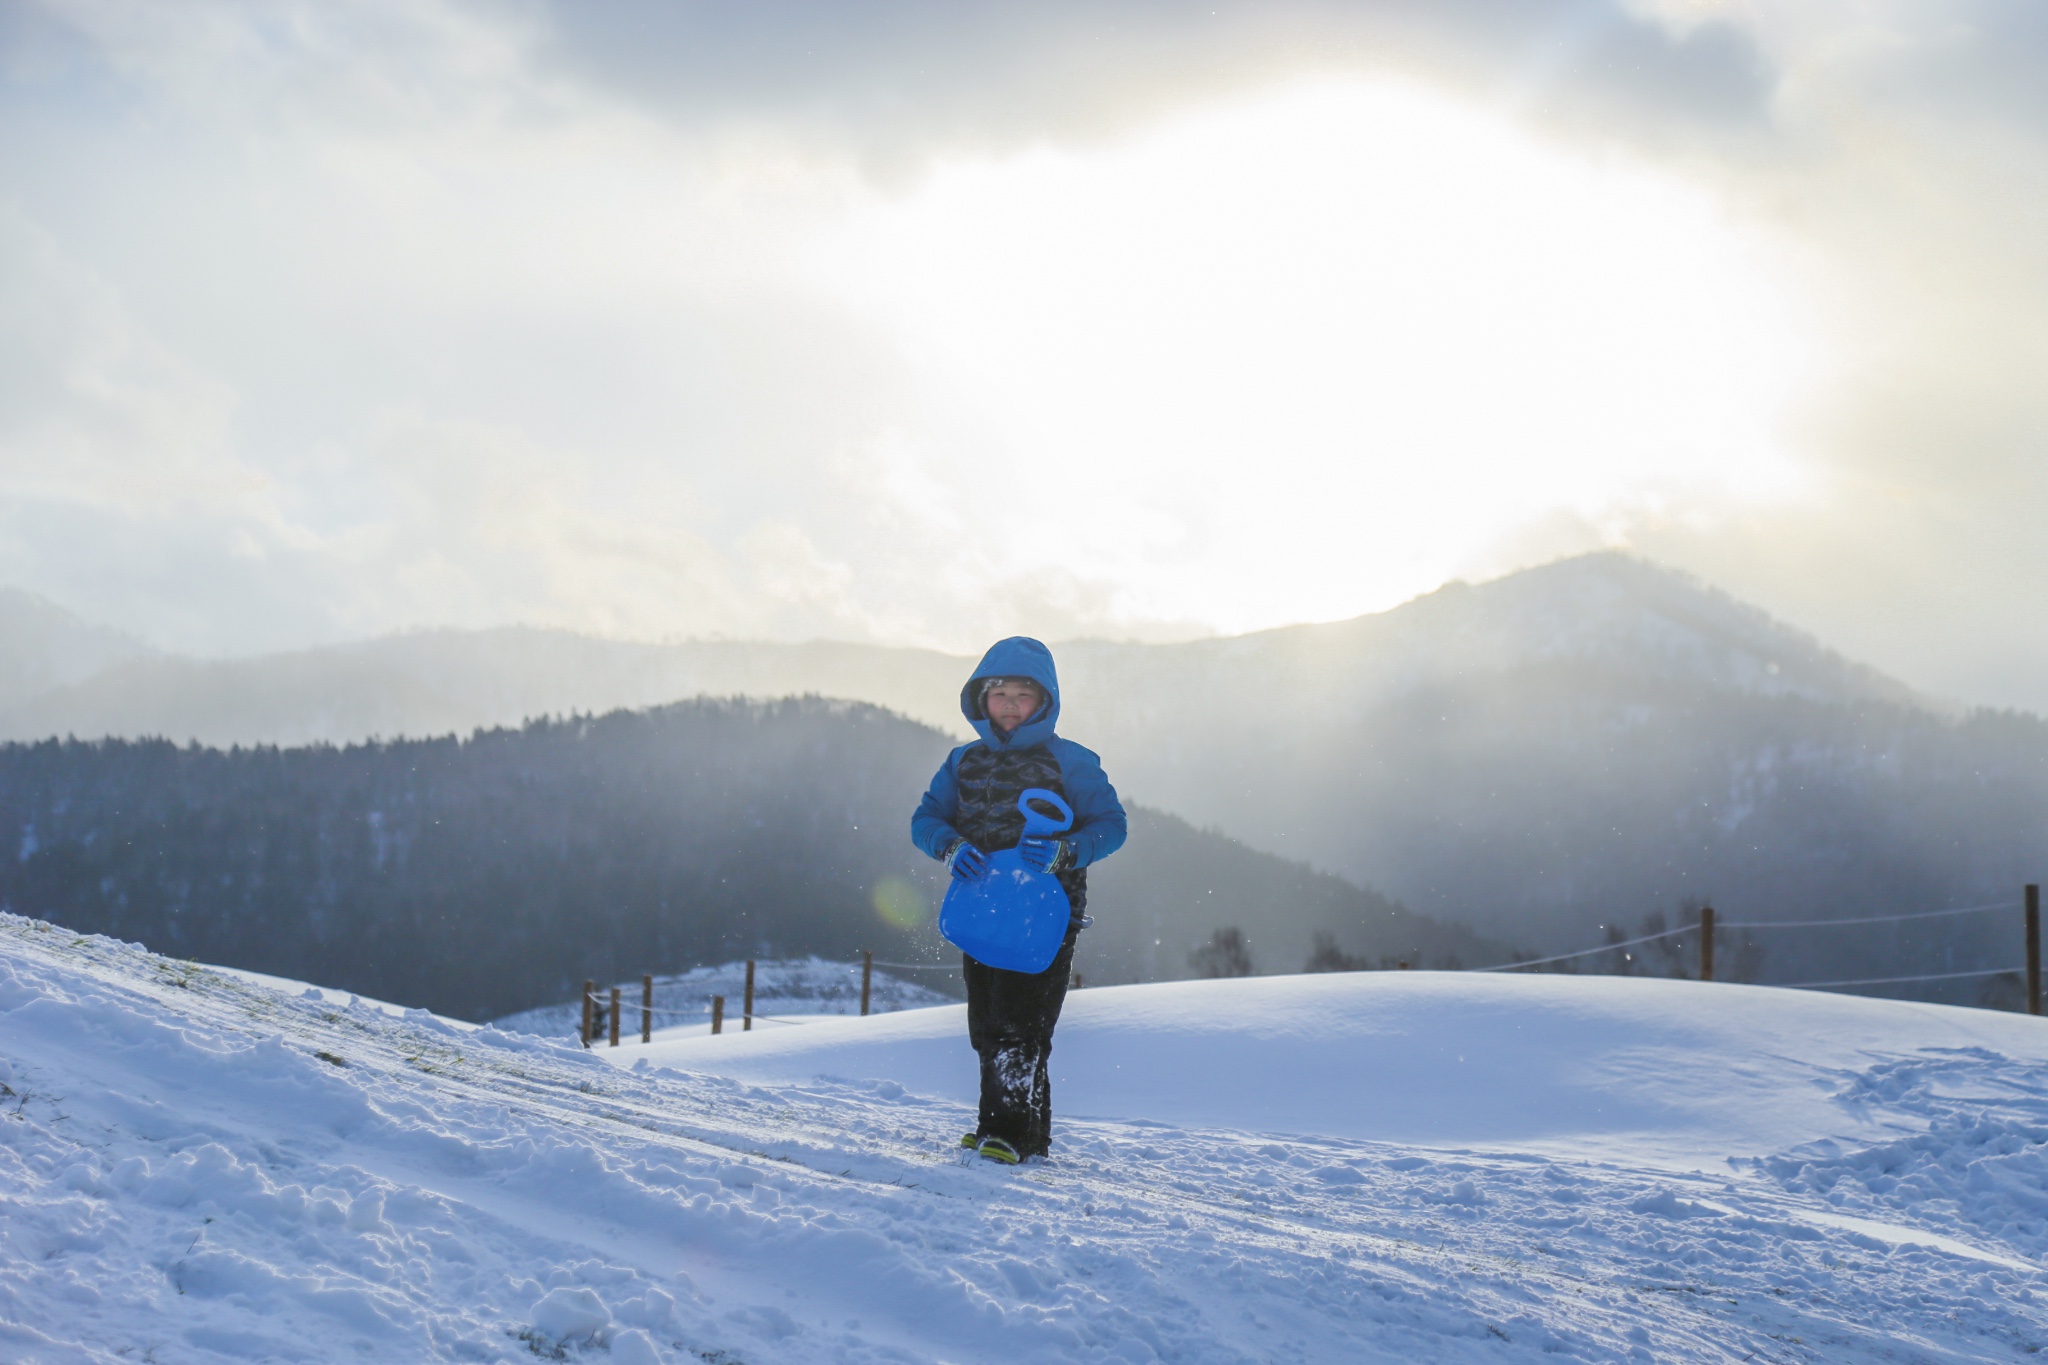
<point>1584,745</point>
<point>1599,611</point>
<point>1540,757</point>
<point>452,682</point>
<point>44,648</point>
<point>1369,1167</point>
<point>1604,609</point>
<point>1581,745</point>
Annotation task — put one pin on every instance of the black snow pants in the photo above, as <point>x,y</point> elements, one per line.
<point>1010,1018</point>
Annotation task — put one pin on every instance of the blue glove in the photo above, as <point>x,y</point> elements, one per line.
<point>1047,855</point>
<point>967,862</point>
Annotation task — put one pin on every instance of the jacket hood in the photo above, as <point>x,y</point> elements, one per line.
<point>1020,656</point>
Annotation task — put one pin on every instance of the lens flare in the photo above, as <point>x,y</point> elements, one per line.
<point>900,904</point>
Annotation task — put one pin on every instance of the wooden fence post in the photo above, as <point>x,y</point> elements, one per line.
<point>747,1020</point>
<point>583,1034</point>
<point>1706,943</point>
<point>867,977</point>
<point>2033,948</point>
<point>615,1016</point>
<point>647,1009</point>
<point>718,1014</point>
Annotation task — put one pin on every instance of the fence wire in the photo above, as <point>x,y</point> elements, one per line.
<point>1860,919</point>
<point>1586,952</point>
<point>628,1013</point>
<point>693,1015</point>
<point>1789,924</point>
<point>1888,980</point>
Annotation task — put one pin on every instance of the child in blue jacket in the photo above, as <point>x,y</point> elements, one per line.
<point>1013,702</point>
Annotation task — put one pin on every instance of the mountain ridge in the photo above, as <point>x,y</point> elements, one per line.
<point>1540,758</point>
<point>449,680</point>
<point>44,646</point>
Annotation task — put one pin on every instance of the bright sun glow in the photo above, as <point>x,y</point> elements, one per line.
<point>1309,353</point>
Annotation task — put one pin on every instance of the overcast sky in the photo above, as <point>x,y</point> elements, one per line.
<point>921,321</point>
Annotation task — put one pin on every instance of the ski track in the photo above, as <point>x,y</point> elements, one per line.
<point>185,1179</point>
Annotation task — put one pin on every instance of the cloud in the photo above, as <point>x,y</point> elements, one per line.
<point>91,405</point>
<point>905,79</point>
<point>1910,156</point>
<point>321,320</point>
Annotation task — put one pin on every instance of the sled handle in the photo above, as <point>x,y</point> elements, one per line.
<point>1035,823</point>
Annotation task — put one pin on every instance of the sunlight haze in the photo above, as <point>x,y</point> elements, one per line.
<point>321,322</point>
<point>1317,350</point>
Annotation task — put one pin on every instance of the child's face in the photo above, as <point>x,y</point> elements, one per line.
<point>1010,704</point>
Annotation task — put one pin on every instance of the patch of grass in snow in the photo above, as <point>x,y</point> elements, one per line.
<point>541,1344</point>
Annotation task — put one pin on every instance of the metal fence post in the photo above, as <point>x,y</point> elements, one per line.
<point>2033,948</point>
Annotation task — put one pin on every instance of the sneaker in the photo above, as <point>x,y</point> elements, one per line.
<point>995,1149</point>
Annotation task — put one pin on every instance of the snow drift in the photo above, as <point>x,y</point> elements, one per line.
<point>1672,1073</point>
<point>195,1167</point>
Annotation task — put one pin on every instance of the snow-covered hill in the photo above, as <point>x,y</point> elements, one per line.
<point>1366,1167</point>
<point>1675,1074</point>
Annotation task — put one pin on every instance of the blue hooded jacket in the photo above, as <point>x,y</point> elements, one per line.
<point>1098,816</point>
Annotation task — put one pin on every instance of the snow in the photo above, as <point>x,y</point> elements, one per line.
<point>199,1167</point>
<point>327,993</point>
<point>1672,1074</point>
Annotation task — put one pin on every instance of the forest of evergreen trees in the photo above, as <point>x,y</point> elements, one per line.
<point>485,875</point>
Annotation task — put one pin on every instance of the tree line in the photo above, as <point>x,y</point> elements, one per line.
<point>489,874</point>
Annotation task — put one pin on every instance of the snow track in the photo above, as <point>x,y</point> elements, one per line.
<point>195,1167</point>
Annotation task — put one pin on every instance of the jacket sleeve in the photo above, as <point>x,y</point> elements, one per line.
<point>1099,827</point>
<point>931,828</point>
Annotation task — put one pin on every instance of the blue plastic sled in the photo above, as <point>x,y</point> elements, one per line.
<point>1013,916</point>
